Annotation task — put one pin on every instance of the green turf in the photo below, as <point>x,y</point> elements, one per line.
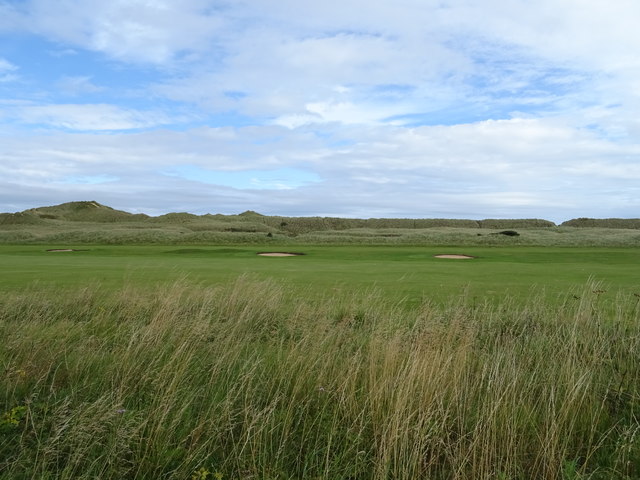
<point>400,272</point>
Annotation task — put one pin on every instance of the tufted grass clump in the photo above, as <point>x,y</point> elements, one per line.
<point>249,382</point>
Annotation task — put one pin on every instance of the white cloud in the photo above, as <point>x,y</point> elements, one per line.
<point>282,74</point>
<point>599,35</point>
<point>86,117</point>
<point>342,112</point>
<point>489,108</point>
<point>77,85</point>
<point>287,57</point>
<point>302,60</point>
<point>11,19</point>
<point>495,168</point>
<point>6,67</point>
<point>8,78</point>
<point>131,30</point>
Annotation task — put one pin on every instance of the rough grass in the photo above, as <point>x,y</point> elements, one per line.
<point>206,232</point>
<point>250,383</point>
<point>628,223</point>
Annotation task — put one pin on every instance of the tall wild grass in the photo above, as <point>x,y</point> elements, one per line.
<point>246,382</point>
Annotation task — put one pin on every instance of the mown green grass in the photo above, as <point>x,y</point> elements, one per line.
<point>398,272</point>
<point>251,381</point>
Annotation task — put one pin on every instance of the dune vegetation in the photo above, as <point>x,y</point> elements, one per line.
<point>89,222</point>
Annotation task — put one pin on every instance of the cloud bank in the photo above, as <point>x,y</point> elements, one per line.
<point>407,109</point>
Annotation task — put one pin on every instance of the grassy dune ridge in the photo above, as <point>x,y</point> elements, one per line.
<point>249,381</point>
<point>89,222</point>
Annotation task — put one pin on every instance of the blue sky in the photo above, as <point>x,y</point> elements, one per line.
<point>414,108</point>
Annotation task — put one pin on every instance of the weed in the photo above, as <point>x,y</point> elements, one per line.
<point>13,417</point>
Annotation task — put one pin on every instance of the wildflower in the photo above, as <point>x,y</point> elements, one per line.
<point>12,417</point>
<point>121,410</point>
<point>18,372</point>
<point>201,474</point>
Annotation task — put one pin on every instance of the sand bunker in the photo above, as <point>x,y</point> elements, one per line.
<point>279,254</point>
<point>454,256</point>
<point>54,250</point>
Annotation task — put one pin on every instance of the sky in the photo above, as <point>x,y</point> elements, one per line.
<point>351,108</point>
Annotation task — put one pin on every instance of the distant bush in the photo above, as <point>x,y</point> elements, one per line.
<point>227,238</point>
<point>515,223</point>
<point>301,225</point>
<point>632,223</point>
<point>419,223</point>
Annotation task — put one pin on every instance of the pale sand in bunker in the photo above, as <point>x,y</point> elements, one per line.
<point>57,250</point>
<point>454,256</point>
<point>279,254</point>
